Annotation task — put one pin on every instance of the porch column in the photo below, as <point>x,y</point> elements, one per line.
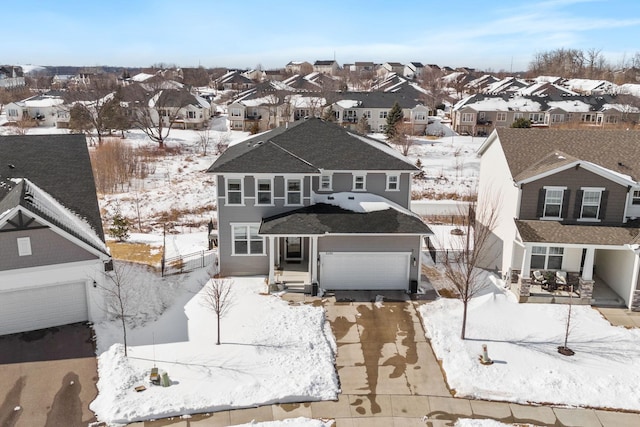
<point>313,259</point>
<point>271,258</point>
<point>525,270</point>
<point>587,269</point>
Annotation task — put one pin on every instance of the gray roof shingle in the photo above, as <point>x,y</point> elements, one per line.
<point>556,232</point>
<point>307,147</point>
<point>322,218</point>
<point>59,165</point>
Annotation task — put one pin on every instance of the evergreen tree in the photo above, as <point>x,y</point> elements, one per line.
<point>363,125</point>
<point>521,123</point>
<point>394,117</point>
<point>119,228</point>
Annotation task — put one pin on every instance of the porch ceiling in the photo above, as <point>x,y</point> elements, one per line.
<point>556,232</point>
<point>322,218</point>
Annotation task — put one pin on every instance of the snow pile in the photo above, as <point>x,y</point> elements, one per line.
<point>270,352</point>
<point>522,340</point>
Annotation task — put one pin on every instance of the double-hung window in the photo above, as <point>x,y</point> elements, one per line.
<point>234,191</point>
<point>359,182</point>
<point>553,202</point>
<point>635,200</point>
<point>325,182</point>
<point>590,203</point>
<point>294,191</point>
<point>501,116</point>
<point>393,182</point>
<point>264,191</point>
<point>246,240</point>
<point>546,258</point>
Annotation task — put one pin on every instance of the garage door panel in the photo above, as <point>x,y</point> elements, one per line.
<point>36,308</point>
<point>373,270</point>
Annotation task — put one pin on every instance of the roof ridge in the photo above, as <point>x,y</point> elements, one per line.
<point>294,155</point>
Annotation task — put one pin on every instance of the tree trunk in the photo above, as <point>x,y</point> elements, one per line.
<point>464,319</point>
<point>124,335</point>
<point>218,316</point>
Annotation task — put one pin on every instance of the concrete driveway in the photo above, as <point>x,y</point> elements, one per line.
<point>48,377</point>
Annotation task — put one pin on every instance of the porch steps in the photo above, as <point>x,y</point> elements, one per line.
<point>295,287</point>
<point>608,302</point>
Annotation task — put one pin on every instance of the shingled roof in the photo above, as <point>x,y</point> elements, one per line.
<point>322,218</point>
<point>309,146</point>
<point>616,150</point>
<point>534,231</point>
<point>57,164</point>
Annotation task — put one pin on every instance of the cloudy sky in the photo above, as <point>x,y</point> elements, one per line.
<point>490,35</point>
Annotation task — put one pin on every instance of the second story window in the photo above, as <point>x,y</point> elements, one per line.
<point>359,182</point>
<point>636,197</point>
<point>294,191</point>
<point>501,116</point>
<point>191,114</point>
<point>383,114</point>
<point>236,112</point>
<point>590,203</point>
<point>325,183</point>
<point>467,117</point>
<point>234,191</point>
<point>393,182</point>
<point>553,202</point>
<point>264,195</point>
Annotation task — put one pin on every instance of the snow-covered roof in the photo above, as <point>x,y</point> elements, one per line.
<point>348,103</point>
<point>360,202</point>
<point>570,106</point>
<point>141,77</point>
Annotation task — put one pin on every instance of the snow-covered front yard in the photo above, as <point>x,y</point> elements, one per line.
<point>522,341</point>
<point>271,352</point>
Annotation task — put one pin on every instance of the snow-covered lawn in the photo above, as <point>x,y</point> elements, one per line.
<point>271,352</point>
<point>522,341</point>
<point>291,422</point>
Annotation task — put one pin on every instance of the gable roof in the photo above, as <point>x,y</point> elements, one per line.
<point>616,150</point>
<point>57,164</point>
<point>322,218</point>
<point>29,196</point>
<point>309,146</point>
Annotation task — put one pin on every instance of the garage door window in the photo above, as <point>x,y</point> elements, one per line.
<point>24,246</point>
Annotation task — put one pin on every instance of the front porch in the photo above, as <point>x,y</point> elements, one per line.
<point>595,292</point>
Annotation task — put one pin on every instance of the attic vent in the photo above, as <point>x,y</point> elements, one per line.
<point>259,142</point>
<point>330,198</point>
<point>351,198</point>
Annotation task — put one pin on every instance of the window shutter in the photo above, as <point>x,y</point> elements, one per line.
<point>541,195</point>
<point>603,204</point>
<point>565,204</point>
<point>578,204</point>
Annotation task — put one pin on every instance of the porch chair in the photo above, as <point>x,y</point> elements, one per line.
<point>561,278</point>
<point>539,279</point>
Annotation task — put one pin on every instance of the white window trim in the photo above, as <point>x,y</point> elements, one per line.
<point>364,182</point>
<point>226,191</point>
<point>24,246</point>
<point>501,116</point>
<point>326,175</point>
<point>593,189</point>
<point>544,208</point>
<point>635,198</point>
<point>248,226</point>
<point>286,191</point>
<point>389,176</point>
<point>547,254</point>
<point>257,198</point>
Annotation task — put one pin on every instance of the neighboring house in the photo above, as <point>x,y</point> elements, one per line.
<point>413,70</point>
<point>46,109</point>
<point>11,77</point>
<point>234,80</point>
<point>313,203</point>
<point>479,114</point>
<point>52,251</point>
<point>177,108</point>
<point>375,107</point>
<point>390,67</point>
<point>569,200</point>
<point>330,67</point>
<point>299,67</point>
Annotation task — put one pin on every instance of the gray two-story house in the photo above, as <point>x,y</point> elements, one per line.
<point>569,203</point>
<point>313,203</point>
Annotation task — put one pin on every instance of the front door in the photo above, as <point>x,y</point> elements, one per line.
<point>293,248</point>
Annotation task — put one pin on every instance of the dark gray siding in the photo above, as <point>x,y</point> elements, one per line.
<point>574,179</point>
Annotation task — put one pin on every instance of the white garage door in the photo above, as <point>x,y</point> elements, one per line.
<point>38,308</point>
<point>370,270</point>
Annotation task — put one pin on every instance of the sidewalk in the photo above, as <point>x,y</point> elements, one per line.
<point>390,377</point>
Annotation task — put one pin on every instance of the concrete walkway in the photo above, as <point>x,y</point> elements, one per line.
<point>390,377</point>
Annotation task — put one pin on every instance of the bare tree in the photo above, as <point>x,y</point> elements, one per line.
<point>462,266</point>
<point>90,103</point>
<point>218,298</point>
<point>403,137</point>
<point>119,296</point>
